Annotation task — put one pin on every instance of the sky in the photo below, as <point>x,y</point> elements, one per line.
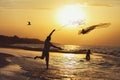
<point>42,14</point>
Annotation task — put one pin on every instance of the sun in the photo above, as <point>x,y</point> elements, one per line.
<point>71,16</point>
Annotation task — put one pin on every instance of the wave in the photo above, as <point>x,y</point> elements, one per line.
<point>74,48</point>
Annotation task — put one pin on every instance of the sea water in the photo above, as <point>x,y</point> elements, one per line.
<point>73,48</point>
<point>69,66</point>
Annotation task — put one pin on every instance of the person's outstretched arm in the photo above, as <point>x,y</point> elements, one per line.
<point>51,32</point>
<point>56,46</point>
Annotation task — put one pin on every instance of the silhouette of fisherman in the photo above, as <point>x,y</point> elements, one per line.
<point>88,55</point>
<point>46,49</point>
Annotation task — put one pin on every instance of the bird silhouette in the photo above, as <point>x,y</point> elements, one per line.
<point>29,23</point>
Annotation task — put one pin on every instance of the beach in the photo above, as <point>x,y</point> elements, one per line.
<point>19,64</point>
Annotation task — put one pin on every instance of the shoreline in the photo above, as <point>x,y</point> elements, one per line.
<point>80,51</point>
<point>40,49</point>
<point>20,65</point>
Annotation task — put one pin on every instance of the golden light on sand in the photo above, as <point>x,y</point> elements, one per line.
<point>71,16</point>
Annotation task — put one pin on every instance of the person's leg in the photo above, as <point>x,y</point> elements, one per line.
<point>88,57</point>
<point>47,60</point>
<point>41,57</point>
<point>36,57</point>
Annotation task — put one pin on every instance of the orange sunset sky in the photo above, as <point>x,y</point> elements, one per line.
<point>46,15</point>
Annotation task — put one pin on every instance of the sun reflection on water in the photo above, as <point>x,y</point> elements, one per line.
<point>69,60</point>
<point>71,47</point>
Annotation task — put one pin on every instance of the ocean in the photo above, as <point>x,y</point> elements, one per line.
<point>104,63</point>
<point>76,48</point>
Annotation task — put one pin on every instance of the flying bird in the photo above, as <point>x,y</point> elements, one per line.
<point>28,23</point>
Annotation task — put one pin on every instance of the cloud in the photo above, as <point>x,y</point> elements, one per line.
<point>33,8</point>
<point>104,3</point>
<point>51,4</point>
<point>24,4</point>
<point>100,4</point>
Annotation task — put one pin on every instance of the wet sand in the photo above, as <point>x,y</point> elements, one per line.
<point>18,64</point>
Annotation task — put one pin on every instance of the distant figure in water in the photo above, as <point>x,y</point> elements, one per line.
<point>46,49</point>
<point>88,55</point>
